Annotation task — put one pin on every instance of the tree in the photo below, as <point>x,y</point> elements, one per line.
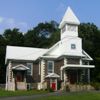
<point>13,37</point>
<point>91,43</point>
<point>42,35</point>
<point>2,64</point>
<point>2,59</point>
<point>10,37</point>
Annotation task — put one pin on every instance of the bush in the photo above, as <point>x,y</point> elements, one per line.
<point>96,85</point>
<point>67,88</point>
<point>51,90</point>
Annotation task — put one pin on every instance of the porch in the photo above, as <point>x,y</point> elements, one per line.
<point>76,77</point>
<point>52,81</point>
<point>19,75</point>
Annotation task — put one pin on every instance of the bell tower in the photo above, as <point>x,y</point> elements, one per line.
<point>69,24</point>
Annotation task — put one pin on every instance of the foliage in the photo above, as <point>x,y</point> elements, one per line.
<point>50,90</point>
<point>96,85</point>
<point>67,88</point>
<point>44,34</point>
<point>91,43</point>
<point>13,37</point>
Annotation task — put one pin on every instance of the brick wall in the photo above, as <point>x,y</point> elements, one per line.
<point>14,63</point>
<point>73,60</point>
<point>36,76</point>
<point>57,65</point>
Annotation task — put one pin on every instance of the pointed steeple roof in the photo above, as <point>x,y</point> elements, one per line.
<point>70,18</point>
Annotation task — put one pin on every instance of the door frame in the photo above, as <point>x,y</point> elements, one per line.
<point>53,80</point>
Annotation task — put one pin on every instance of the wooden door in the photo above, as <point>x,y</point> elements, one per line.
<point>54,86</point>
<point>72,76</point>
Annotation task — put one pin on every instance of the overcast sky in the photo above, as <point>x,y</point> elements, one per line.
<point>26,14</point>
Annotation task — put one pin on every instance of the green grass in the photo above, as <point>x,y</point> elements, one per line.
<point>66,96</point>
<point>75,96</point>
<point>4,93</point>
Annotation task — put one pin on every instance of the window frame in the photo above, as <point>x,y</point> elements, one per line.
<point>73,46</point>
<point>48,71</point>
<point>31,72</point>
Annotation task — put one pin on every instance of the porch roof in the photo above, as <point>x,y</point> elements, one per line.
<point>52,75</point>
<point>77,66</point>
<point>20,67</point>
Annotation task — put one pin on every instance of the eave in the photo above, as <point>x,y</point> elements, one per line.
<point>77,66</point>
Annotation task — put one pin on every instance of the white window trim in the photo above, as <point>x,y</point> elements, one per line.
<point>53,67</point>
<point>31,67</point>
<point>63,29</point>
<point>39,68</point>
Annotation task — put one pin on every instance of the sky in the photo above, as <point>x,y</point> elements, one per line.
<point>26,14</point>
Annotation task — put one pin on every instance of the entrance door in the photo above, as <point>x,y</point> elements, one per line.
<point>20,83</point>
<point>72,76</point>
<point>19,77</point>
<point>54,86</point>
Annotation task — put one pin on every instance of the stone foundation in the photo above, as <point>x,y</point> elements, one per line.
<point>10,86</point>
<point>42,86</point>
<point>21,86</point>
<point>74,88</point>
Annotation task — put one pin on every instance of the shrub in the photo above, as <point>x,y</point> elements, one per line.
<point>96,85</point>
<point>67,88</point>
<point>51,90</point>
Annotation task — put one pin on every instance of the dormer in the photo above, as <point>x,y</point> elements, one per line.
<point>69,24</point>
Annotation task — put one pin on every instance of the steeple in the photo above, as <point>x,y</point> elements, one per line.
<point>69,18</point>
<point>69,24</point>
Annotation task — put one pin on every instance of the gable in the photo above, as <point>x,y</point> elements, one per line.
<point>20,67</point>
<point>63,48</point>
<point>86,57</point>
<point>52,75</point>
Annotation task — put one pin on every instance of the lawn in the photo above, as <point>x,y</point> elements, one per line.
<point>4,93</point>
<point>93,95</point>
<point>75,96</point>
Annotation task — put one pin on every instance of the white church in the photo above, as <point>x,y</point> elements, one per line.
<point>63,65</point>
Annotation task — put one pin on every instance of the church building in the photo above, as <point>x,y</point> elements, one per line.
<point>62,65</point>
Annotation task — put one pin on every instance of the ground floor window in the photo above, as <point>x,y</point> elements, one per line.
<point>30,66</point>
<point>50,67</point>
